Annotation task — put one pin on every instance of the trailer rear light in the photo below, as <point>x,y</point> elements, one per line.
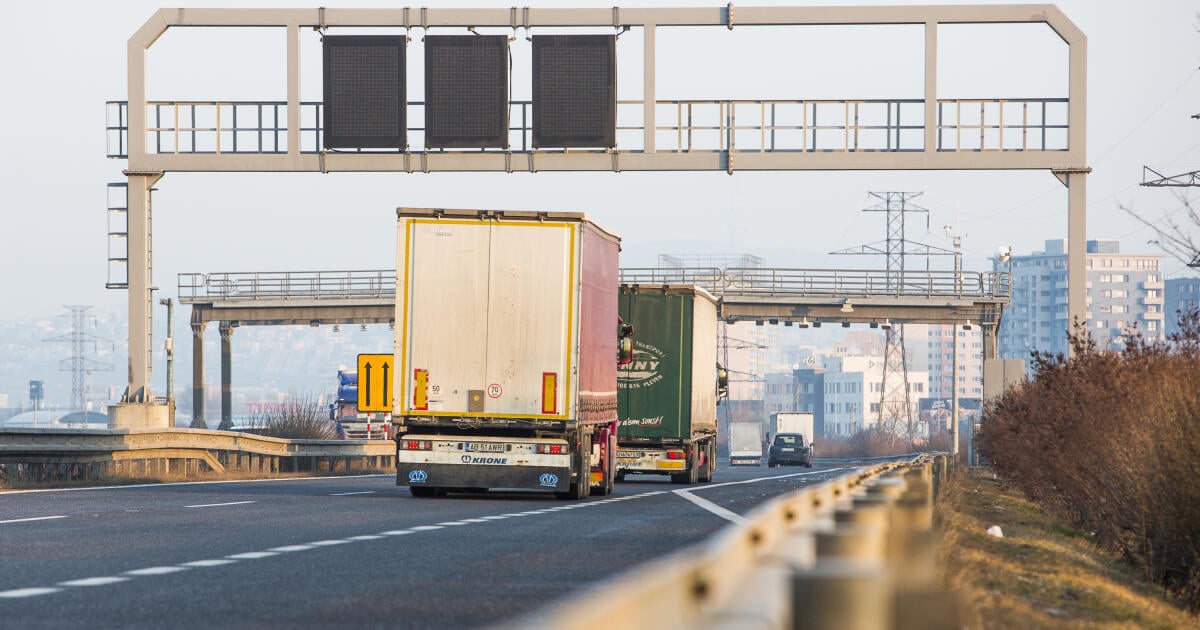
<point>416,445</point>
<point>674,454</point>
<point>551,449</point>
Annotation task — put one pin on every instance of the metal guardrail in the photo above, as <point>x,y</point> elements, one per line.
<point>854,552</point>
<point>47,454</point>
<point>742,282</point>
<point>683,126</point>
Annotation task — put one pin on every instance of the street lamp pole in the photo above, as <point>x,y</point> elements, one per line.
<point>169,346</point>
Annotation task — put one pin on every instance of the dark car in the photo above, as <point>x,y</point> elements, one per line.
<point>790,449</point>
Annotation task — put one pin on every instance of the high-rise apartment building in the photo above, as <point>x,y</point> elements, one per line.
<point>1124,291</point>
<point>1182,295</point>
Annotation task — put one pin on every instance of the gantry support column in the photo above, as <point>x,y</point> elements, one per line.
<point>137,408</point>
<point>1075,179</point>
<point>198,374</point>
<point>226,329</point>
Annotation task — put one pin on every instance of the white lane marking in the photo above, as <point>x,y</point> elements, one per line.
<point>346,494</point>
<point>28,592</point>
<point>156,570</point>
<point>31,519</point>
<point>96,581</point>
<point>252,555</point>
<point>208,563</point>
<point>193,483</point>
<point>255,555</point>
<point>758,479</point>
<point>220,504</point>
<point>711,507</point>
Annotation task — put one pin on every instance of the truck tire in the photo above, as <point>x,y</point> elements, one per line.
<point>426,492</point>
<point>706,471</point>
<point>610,470</point>
<point>690,475</point>
<point>583,473</point>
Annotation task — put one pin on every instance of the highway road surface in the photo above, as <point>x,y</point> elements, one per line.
<point>341,551</point>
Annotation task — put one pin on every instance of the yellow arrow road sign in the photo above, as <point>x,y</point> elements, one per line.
<point>375,375</point>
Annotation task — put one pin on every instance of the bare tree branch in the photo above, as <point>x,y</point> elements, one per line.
<point>1173,238</point>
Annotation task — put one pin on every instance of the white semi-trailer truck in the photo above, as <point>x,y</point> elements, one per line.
<point>507,345</point>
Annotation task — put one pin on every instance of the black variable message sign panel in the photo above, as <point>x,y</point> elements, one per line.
<point>574,91</point>
<point>466,91</point>
<point>364,92</point>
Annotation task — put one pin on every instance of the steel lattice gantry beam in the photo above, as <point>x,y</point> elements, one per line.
<point>146,164</point>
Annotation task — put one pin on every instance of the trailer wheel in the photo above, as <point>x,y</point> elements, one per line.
<point>690,475</point>
<point>583,479</point>
<point>710,462</point>
<point>425,492</point>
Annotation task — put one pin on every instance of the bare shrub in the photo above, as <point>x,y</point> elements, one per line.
<point>871,442</point>
<point>301,420</point>
<point>1111,440</point>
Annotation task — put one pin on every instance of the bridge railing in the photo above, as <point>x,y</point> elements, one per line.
<point>681,126</point>
<point>828,282</point>
<point>288,285</point>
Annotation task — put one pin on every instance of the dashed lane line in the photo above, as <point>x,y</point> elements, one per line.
<point>27,592</point>
<point>96,581</point>
<point>164,570</point>
<point>30,519</point>
<point>348,494</point>
<point>275,551</point>
<point>220,504</point>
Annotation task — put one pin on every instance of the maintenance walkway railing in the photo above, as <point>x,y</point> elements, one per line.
<point>682,126</point>
<point>325,286</point>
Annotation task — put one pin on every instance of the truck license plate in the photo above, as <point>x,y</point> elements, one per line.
<point>485,447</point>
<point>629,455</point>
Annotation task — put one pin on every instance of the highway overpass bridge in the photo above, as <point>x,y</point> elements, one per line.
<point>800,297</point>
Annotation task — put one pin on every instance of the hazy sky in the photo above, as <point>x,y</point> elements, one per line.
<point>62,60</point>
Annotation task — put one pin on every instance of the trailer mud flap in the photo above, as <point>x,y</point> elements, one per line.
<point>483,476</point>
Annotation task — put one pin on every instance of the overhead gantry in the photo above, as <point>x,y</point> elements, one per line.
<point>931,133</point>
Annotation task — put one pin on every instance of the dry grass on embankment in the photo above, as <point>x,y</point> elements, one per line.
<point>1042,573</point>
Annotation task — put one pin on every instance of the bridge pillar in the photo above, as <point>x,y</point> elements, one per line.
<point>226,329</point>
<point>198,374</point>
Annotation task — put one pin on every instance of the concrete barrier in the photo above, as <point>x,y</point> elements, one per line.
<point>42,455</point>
<point>853,552</point>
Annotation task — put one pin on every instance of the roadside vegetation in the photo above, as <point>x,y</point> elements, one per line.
<point>877,442</point>
<point>302,420</point>
<point>1109,442</point>
<point>1042,573</point>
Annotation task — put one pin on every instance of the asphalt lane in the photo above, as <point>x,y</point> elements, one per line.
<point>341,552</point>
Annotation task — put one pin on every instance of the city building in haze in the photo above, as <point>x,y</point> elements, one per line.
<point>1181,295</point>
<point>1124,291</point>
